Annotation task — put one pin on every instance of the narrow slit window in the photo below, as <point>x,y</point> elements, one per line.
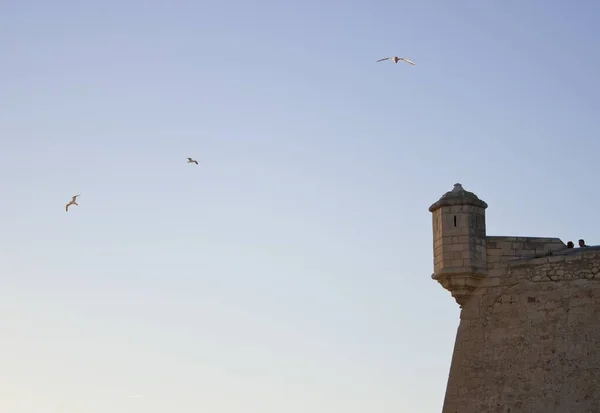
<point>454,220</point>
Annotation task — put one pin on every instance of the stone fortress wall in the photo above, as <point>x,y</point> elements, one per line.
<point>529,334</point>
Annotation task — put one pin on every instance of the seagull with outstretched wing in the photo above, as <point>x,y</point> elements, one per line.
<point>73,201</point>
<point>190,160</point>
<point>396,59</point>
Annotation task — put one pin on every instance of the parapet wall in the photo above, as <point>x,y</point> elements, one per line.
<point>529,340</point>
<point>502,249</point>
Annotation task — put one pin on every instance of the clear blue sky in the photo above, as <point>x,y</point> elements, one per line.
<point>289,271</point>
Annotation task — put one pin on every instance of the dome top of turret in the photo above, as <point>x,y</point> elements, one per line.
<point>458,196</point>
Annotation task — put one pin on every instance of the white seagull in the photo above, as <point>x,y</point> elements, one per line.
<point>190,160</point>
<point>73,201</point>
<point>396,59</point>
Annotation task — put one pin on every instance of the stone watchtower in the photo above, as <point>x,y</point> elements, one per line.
<point>529,334</point>
<point>460,256</point>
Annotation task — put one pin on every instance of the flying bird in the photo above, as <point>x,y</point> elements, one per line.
<point>190,160</point>
<point>396,59</point>
<point>73,201</point>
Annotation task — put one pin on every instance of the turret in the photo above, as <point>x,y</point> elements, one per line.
<point>460,257</point>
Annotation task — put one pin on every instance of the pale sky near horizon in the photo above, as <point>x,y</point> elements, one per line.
<point>290,271</point>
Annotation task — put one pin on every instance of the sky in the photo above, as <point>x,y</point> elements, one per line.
<point>290,271</point>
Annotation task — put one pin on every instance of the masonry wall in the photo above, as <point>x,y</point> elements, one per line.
<point>529,339</point>
<point>502,249</point>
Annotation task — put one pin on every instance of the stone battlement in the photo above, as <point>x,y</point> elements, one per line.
<point>502,249</point>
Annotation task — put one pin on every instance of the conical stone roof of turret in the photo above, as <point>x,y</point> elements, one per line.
<point>458,196</point>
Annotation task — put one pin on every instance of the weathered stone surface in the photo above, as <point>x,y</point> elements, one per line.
<point>529,334</point>
<point>532,343</point>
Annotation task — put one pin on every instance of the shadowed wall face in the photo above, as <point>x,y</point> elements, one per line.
<point>529,340</point>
